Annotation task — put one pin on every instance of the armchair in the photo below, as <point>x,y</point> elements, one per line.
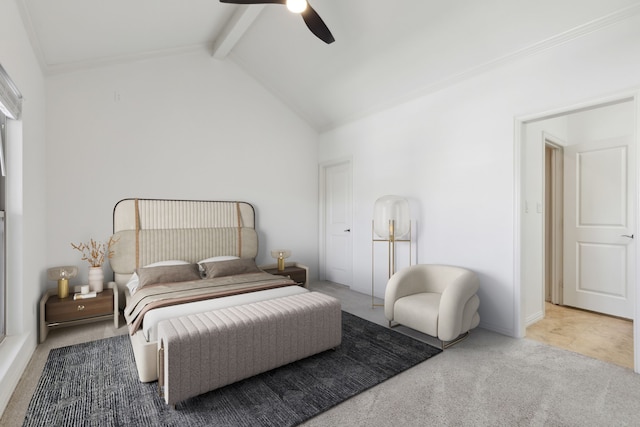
<point>438,300</point>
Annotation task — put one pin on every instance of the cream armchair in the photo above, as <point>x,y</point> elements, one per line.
<point>438,300</point>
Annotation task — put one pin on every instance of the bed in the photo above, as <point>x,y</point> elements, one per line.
<point>163,249</point>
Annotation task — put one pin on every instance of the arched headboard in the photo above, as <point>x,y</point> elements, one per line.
<point>152,230</point>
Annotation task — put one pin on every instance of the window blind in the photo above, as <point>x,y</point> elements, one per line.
<point>10,96</point>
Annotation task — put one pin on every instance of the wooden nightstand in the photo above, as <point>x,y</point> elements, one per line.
<point>56,312</point>
<point>294,271</point>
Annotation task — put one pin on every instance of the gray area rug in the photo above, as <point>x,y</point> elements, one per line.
<point>96,384</point>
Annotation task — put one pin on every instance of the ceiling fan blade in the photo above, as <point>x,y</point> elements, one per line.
<point>310,16</point>
<point>254,1</point>
<point>317,25</point>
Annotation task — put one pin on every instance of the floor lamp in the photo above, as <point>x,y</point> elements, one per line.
<point>391,223</point>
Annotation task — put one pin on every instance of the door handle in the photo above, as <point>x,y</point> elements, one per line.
<point>348,230</point>
<point>626,235</point>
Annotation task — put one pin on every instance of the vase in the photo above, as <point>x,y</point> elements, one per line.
<point>96,279</point>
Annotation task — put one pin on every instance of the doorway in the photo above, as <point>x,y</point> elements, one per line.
<point>543,253</point>
<point>592,334</point>
<point>336,210</point>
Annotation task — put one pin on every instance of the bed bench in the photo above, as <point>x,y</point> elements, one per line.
<point>201,352</point>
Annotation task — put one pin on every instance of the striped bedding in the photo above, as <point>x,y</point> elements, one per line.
<point>168,294</point>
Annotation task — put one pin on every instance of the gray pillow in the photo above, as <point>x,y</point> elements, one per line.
<point>230,267</point>
<point>168,274</point>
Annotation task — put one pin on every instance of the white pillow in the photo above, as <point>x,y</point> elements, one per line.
<point>134,280</point>
<point>218,258</point>
<point>213,259</point>
<point>133,283</point>
<point>169,262</point>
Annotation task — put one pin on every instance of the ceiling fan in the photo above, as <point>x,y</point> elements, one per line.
<point>310,16</point>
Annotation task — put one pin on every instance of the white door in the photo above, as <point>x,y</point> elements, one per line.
<point>337,223</point>
<point>599,267</point>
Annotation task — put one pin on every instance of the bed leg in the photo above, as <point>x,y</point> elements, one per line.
<point>161,370</point>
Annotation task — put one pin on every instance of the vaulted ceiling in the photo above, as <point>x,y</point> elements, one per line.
<point>385,51</point>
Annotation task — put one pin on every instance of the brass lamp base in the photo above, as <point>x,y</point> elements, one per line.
<point>280,264</point>
<point>63,288</point>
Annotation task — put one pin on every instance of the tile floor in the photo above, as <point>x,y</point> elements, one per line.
<point>595,335</point>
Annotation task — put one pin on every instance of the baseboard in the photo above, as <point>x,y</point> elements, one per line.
<point>496,328</point>
<point>534,318</point>
<point>15,354</point>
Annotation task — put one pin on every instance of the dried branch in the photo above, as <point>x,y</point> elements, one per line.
<point>95,252</point>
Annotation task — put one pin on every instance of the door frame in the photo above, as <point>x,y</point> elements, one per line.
<point>520,122</point>
<point>322,202</point>
<point>555,245</point>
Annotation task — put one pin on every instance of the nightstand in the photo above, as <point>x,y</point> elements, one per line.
<point>297,272</point>
<point>59,312</point>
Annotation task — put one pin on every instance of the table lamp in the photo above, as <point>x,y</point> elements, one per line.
<point>281,255</point>
<point>62,275</point>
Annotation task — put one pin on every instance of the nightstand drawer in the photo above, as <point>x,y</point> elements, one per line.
<point>58,313</point>
<point>62,310</point>
<point>297,274</point>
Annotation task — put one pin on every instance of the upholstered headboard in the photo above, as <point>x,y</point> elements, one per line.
<point>152,230</point>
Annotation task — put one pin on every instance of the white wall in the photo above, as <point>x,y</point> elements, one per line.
<point>608,122</point>
<point>26,237</point>
<point>452,153</point>
<point>185,127</point>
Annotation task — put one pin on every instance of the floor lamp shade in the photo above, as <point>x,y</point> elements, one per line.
<point>391,218</point>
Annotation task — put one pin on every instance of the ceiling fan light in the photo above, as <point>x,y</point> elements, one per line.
<point>297,6</point>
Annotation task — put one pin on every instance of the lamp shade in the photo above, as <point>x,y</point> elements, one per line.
<point>281,253</point>
<point>389,208</point>
<point>57,273</point>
